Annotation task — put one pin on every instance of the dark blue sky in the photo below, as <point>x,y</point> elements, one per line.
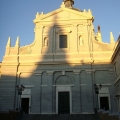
<point>16,18</point>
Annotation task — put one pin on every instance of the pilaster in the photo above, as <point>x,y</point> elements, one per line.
<point>90,92</point>
<point>38,39</point>
<point>36,102</point>
<point>74,38</point>
<point>76,93</point>
<point>50,92</point>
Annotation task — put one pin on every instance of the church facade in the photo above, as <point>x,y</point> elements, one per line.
<point>61,66</point>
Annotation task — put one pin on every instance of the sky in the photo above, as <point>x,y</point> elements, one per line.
<point>16,18</point>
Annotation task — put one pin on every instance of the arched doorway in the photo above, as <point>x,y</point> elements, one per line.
<point>64,94</point>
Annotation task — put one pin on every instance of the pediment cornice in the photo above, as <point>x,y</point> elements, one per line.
<point>84,14</point>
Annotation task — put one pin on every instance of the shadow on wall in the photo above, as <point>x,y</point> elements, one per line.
<point>51,64</point>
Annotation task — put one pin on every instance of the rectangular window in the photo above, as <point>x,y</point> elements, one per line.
<point>63,41</point>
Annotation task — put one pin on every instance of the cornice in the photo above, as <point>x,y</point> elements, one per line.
<point>50,72</point>
<point>87,15</point>
<point>76,72</point>
<point>37,73</point>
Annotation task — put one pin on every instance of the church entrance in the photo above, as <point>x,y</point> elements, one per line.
<point>25,105</point>
<point>64,94</point>
<point>63,103</point>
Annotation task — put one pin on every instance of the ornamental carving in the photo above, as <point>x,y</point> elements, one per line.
<point>89,22</point>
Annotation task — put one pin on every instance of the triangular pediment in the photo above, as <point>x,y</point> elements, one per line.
<point>64,14</point>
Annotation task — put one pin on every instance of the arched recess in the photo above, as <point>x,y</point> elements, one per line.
<point>63,85</point>
<point>64,80</point>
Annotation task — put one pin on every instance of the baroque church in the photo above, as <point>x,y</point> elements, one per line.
<point>62,65</point>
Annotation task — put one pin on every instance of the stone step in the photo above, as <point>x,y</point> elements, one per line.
<point>60,117</point>
<point>106,116</point>
<point>11,115</point>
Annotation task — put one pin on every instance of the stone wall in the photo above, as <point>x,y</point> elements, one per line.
<point>45,80</point>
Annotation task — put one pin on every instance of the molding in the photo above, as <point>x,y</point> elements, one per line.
<point>63,31</point>
<point>81,33</point>
<point>109,84</point>
<point>76,72</point>
<point>38,73</point>
<point>29,86</point>
<point>104,95</point>
<point>87,113</point>
<point>45,34</point>
<point>44,85</point>
<point>83,84</point>
<point>111,71</point>
<point>88,71</point>
<point>9,64</point>
<point>62,75</point>
<point>18,73</point>
<point>75,24</point>
<point>63,85</point>
<point>86,15</point>
<point>26,72</point>
<point>102,52</point>
<point>50,72</point>
<point>63,72</point>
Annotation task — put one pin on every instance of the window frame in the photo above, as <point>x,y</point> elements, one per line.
<point>62,41</point>
<point>104,95</point>
<point>63,32</point>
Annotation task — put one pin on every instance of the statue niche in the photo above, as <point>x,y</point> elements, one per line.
<point>46,42</point>
<point>81,42</point>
